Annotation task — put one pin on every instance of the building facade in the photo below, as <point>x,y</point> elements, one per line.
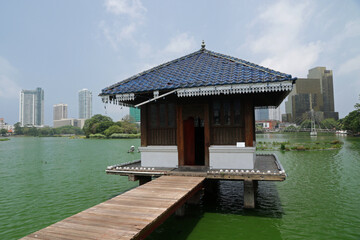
<point>69,122</point>
<point>7,127</point>
<point>60,111</point>
<point>85,104</point>
<point>313,93</point>
<point>267,113</point>
<point>31,107</point>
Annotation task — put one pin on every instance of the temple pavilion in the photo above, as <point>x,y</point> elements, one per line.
<point>197,117</point>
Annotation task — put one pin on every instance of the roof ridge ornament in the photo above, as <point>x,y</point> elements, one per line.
<point>203,45</point>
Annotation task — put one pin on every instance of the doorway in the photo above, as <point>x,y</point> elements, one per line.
<point>194,135</point>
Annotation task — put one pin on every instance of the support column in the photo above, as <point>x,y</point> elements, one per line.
<point>249,194</point>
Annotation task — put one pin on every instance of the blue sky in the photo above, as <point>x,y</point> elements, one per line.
<point>65,46</point>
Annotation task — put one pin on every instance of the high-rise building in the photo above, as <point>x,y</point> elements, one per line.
<point>60,111</point>
<point>85,104</point>
<point>32,107</point>
<point>313,93</point>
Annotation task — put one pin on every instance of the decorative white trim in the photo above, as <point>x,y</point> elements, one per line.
<point>125,97</point>
<point>235,89</point>
<point>105,99</point>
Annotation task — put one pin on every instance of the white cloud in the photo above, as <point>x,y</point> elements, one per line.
<point>279,38</point>
<point>180,44</point>
<point>9,88</point>
<point>128,16</point>
<point>132,8</point>
<point>350,65</point>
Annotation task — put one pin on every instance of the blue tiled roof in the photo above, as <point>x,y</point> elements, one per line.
<point>198,69</point>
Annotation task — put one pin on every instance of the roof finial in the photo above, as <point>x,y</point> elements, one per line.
<point>203,45</point>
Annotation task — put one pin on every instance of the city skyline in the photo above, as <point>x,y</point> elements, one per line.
<point>66,46</point>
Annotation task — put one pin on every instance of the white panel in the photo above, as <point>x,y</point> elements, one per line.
<point>159,156</point>
<point>232,157</point>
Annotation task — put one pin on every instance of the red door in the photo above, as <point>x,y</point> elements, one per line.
<point>189,141</point>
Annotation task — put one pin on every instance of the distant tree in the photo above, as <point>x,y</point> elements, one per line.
<point>68,130</point>
<point>46,131</point>
<point>3,132</point>
<point>128,125</point>
<point>128,118</point>
<point>290,129</point>
<point>89,127</point>
<point>306,124</point>
<point>18,129</point>
<point>357,105</point>
<point>329,123</point>
<point>352,121</point>
<point>100,127</point>
<point>30,131</point>
<point>113,129</point>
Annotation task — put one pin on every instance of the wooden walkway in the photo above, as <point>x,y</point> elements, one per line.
<point>131,215</point>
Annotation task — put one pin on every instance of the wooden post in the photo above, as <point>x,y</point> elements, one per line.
<point>249,194</point>
<point>206,134</point>
<point>249,123</point>
<point>180,135</point>
<point>143,126</point>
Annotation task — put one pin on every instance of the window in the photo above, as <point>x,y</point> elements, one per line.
<point>226,113</point>
<point>162,115</point>
<point>216,112</point>
<point>237,112</point>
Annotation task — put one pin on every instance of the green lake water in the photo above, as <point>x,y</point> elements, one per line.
<point>44,180</point>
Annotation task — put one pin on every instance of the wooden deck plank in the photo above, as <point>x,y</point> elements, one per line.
<point>132,215</point>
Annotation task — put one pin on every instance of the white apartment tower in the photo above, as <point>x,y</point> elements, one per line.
<point>31,107</point>
<point>60,111</point>
<point>85,104</point>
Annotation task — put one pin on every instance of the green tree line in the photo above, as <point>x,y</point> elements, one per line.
<point>46,131</point>
<point>100,126</point>
<point>352,121</point>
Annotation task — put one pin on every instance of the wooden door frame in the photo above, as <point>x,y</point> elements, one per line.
<point>180,134</point>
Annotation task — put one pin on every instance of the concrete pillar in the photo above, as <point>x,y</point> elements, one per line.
<point>249,194</point>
